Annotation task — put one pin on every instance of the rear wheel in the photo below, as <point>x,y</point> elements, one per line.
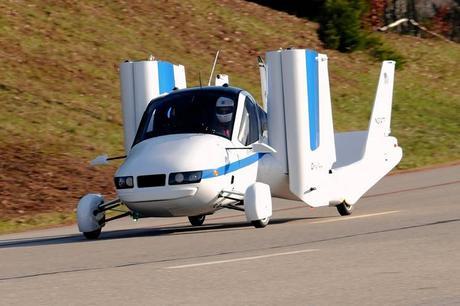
<point>344,209</point>
<point>260,223</point>
<point>197,220</point>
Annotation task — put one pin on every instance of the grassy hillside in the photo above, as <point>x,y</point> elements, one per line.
<point>59,90</point>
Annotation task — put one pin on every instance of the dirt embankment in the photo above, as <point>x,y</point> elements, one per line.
<point>32,181</point>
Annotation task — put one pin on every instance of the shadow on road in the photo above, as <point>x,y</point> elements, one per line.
<point>142,232</point>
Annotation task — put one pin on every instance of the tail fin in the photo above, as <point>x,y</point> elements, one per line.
<point>381,152</point>
<point>379,124</point>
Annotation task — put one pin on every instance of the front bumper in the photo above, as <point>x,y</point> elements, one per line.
<point>156,193</point>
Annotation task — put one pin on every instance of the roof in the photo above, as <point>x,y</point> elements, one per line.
<point>224,89</point>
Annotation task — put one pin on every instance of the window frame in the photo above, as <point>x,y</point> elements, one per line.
<point>247,98</point>
<point>155,103</point>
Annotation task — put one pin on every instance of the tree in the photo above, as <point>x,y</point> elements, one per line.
<point>340,24</point>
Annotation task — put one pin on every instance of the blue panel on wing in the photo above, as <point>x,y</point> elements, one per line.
<point>165,77</point>
<point>313,98</point>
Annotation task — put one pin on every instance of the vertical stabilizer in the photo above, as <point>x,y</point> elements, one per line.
<point>381,151</point>
<point>142,81</point>
<point>379,124</point>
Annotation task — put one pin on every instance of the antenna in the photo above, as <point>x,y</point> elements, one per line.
<point>213,67</point>
<point>260,60</point>
<point>199,76</point>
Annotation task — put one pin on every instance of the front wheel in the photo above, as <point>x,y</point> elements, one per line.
<point>344,209</point>
<point>260,223</point>
<point>197,220</point>
<point>93,235</point>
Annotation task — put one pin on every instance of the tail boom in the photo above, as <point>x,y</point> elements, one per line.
<point>324,168</point>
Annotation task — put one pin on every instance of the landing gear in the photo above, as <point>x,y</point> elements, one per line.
<point>261,223</point>
<point>197,220</point>
<point>344,209</point>
<point>92,235</point>
<point>258,204</point>
<point>90,220</point>
<point>91,214</point>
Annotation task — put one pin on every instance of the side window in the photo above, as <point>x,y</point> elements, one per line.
<point>250,126</point>
<point>244,127</point>
<point>151,125</point>
<point>263,122</point>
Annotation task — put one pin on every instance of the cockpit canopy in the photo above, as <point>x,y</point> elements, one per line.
<point>190,111</point>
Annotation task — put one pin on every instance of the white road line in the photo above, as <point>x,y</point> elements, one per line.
<point>241,259</point>
<point>356,217</point>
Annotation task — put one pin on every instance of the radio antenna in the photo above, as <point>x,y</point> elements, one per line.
<point>199,77</point>
<point>213,67</point>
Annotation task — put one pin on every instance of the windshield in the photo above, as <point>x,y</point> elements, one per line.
<point>206,111</point>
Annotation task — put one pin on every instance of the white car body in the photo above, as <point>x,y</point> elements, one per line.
<point>224,169</point>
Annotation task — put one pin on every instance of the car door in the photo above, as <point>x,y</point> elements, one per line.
<point>248,132</point>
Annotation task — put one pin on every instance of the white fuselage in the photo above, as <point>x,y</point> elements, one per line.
<point>223,169</point>
<point>183,131</point>
<point>220,151</point>
<point>192,151</point>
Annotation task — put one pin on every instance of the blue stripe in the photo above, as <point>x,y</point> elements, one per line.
<point>166,81</point>
<point>239,164</point>
<point>313,99</point>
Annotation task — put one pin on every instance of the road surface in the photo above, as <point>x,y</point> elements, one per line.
<point>399,247</point>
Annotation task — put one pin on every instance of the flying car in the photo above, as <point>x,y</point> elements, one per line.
<point>193,151</point>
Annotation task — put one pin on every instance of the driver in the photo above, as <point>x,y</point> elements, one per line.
<point>224,114</point>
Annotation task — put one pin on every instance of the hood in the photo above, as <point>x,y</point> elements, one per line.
<point>175,153</point>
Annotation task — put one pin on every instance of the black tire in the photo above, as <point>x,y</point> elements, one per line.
<point>93,235</point>
<point>260,223</point>
<point>344,209</point>
<point>197,220</point>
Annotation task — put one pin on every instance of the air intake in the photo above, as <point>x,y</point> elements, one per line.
<point>151,180</point>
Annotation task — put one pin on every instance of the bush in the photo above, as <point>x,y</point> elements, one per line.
<point>341,28</point>
<point>381,52</point>
<point>340,24</point>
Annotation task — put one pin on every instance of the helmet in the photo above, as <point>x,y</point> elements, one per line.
<point>224,109</point>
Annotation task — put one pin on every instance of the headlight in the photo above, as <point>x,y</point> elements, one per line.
<point>124,182</point>
<point>185,177</point>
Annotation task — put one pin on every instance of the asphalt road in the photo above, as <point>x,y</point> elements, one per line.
<point>399,247</point>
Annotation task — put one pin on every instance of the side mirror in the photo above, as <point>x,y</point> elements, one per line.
<point>260,147</point>
<point>100,160</point>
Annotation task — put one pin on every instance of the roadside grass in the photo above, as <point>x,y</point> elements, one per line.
<point>39,220</point>
<point>42,220</point>
<point>59,87</point>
